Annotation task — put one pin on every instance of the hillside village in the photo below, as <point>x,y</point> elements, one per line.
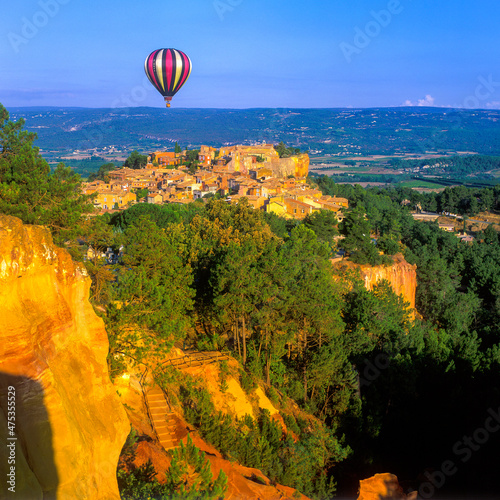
<point>270,183</point>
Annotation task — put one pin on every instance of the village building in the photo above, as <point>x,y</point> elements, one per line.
<point>255,172</point>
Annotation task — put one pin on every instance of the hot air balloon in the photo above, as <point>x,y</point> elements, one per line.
<point>167,70</point>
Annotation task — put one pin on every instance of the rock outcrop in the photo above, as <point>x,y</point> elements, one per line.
<point>383,486</point>
<point>69,425</point>
<point>401,275</point>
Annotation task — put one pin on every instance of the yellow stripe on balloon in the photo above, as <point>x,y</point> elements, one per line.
<point>159,68</point>
<point>178,68</point>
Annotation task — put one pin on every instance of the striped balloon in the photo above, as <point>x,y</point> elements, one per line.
<point>167,70</point>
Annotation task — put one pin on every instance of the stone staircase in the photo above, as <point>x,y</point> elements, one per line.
<point>162,417</point>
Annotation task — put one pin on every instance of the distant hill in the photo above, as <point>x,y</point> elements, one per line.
<point>322,131</point>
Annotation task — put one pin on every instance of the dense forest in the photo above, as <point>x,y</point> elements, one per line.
<point>378,390</point>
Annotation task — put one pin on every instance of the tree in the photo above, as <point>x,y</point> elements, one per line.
<point>189,477</point>
<point>281,149</point>
<point>177,148</point>
<point>192,160</point>
<point>152,294</point>
<point>141,193</point>
<point>388,245</point>
<point>98,234</point>
<point>136,160</point>
<point>102,173</point>
<point>357,241</point>
<point>324,224</point>
<point>314,309</point>
<point>29,190</point>
<point>284,151</point>
<point>236,288</point>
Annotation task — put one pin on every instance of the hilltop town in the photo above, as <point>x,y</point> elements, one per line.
<point>269,182</point>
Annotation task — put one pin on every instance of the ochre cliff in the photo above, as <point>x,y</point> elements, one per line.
<point>401,275</point>
<point>69,423</point>
<point>297,166</point>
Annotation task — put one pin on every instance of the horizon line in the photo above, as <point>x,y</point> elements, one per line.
<point>350,108</point>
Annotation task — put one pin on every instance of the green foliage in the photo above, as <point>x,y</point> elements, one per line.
<point>388,245</point>
<point>135,161</point>
<point>324,224</point>
<point>457,165</point>
<point>284,151</point>
<point>152,293</point>
<point>141,193</point>
<point>29,190</point>
<point>161,215</point>
<point>357,240</point>
<point>188,477</point>
<point>192,160</point>
<point>102,173</point>
<point>261,444</point>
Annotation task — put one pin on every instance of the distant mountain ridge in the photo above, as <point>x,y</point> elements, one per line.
<point>324,131</point>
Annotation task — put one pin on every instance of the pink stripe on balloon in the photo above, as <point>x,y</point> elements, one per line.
<point>168,68</point>
<point>152,72</point>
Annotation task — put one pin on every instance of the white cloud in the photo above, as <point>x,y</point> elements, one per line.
<point>493,105</point>
<point>428,100</point>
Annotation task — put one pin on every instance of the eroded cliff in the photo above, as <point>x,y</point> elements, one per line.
<point>243,482</point>
<point>69,423</point>
<point>401,275</point>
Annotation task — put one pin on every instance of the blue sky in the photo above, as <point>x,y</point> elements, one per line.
<point>253,53</point>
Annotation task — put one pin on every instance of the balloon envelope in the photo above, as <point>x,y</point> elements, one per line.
<point>167,70</point>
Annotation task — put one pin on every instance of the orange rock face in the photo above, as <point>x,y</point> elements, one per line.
<point>243,482</point>
<point>68,421</point>
<point>297,166</point>
<point>383,486</point>
<point>402,276</point>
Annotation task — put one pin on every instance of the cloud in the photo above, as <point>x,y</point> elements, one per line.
<point>493,105</point>
<point>428,100</point>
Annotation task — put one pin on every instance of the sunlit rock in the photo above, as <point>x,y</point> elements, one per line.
<point>69,423</point>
